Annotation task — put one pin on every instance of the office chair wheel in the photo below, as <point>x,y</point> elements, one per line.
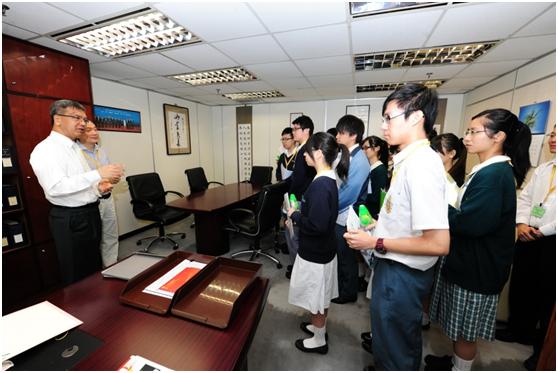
<point>279,266</point>
<point>183,236</point>
<point>175,246</point>
<point>138,242</point>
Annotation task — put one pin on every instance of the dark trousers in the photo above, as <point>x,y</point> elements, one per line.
<point>533,289</point>
<point>347,266</point>
<point>77,235</point>
<point>396,314</point>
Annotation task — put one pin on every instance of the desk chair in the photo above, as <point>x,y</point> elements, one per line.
<point>260,175</point>
<point>149,203</point>
<point>198,182</point>
<point>257,223</point>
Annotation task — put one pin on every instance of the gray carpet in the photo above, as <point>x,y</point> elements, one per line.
<point>273,345</point>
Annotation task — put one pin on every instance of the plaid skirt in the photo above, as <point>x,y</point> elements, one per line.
<point>463,313</point>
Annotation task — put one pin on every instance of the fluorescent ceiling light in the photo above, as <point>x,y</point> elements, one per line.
<point>451,54</point>
<point>233,74</point>
<point>123,37</point>
<point>359,9</point>
<point>394,86</point>
<point>253,96</point>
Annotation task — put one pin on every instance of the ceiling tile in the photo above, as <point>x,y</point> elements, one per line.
<point>481,69</point>
<point>258,49</point>
<point>120,70</point>
<point>300,93</point>
<point>326,65</point>
<point>39,17</point>
<point>188,90</point>
<point>156,63</point>
<point>521,48</point>
<point>346,91</point>
<point>160,82</point>
<point>134,83</point>
<point>379,76</point>
<point>316,42</point>
<point>483,22</point>
<point>17,32</point>
<point>215,21</point>
<point>438,72</point>
<point>465,83</point>
<point>290,83</point>
<point>252,86</point>
<point>92,10</point>
<point>51,43</point>
<point>200,57</point>
<point>284,16</point>
<point>369,34</point>
<point>441,90</point>
<point>544,24</point>
<point>275,70</point>
<point>342,80</point>
<point>218,89</point>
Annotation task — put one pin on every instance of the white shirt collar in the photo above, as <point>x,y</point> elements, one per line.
<point>328,173</point>
<point>489,161</point>
<point>375,164</point>
<point>61,139</point>
<point>408,150</point>
<point>353,147</point>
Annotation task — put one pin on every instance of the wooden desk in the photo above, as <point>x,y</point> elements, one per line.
<point>176,343</point>
<point>209,208</point>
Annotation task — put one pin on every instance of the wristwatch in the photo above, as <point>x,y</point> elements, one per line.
<point>380,246</point>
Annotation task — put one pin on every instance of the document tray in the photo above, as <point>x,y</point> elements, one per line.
<point>214,297</point>
<point>133,294</point>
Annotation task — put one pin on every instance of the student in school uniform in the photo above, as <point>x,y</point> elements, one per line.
<point>314,278</point>
<point>376,150</point>
<point>482,236</point>
<point>285,162</point>
<point>411,232</point>
<point>349,133</point>
<point>300,179</point>
<point>533,280</point>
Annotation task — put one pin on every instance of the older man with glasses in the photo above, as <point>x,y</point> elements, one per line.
<point>73,190</point>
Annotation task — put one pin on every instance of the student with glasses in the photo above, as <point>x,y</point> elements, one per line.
<point>533,280</point>
<point>411,231</point>
<point>482,227</point>
<point>285,161</point>
<point>73,190</point>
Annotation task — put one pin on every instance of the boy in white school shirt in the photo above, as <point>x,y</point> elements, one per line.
<point>411,233</point>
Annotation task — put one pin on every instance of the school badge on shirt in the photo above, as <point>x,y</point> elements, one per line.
<point>388,205</point>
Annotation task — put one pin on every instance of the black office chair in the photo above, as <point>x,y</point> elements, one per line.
<point>197,180</point>
<point>257,223</point>
<point>260,175</point>
<point>149,203</point>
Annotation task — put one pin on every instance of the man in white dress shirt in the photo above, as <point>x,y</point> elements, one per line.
<point>73,191</point>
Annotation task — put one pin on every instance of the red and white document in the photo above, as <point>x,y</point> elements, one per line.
<point>166,285</point>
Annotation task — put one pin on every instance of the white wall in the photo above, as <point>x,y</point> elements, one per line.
<point>146,151</point>
<point>268,120</point>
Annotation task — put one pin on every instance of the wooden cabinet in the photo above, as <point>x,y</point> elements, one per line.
<point>36,70</point>
<point>33,78</point>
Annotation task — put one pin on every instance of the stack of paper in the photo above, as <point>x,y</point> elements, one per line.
<point>137,363</point>
<point>166,285</point>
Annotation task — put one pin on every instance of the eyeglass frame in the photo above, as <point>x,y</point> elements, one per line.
<point>75,117</point>
<point>287,139</point>
<point>389,117</point>
<point>297,128</point>
<point>551,134</point>
<point>470,131</point>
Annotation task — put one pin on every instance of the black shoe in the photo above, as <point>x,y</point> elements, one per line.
<point>319,350</point>
<point>341,300</point>
<point>288,274</point>
<point>367,346</point>
<point>362,284</point>
<point>438,362</point>
<point>366,337</point>
<point>283,247</point>
<point>369,367</point>
<point>304,328</point>
<point>426,326</point>
<point>289,267</point>
<point>531,362</point>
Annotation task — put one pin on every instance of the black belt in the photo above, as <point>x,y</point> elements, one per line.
<point>105,196</point>
<point>89,205</point>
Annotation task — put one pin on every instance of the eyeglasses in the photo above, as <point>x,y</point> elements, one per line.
<point>470,131</point>
<point>365,147</point>
<point>77,118</point>
<point>387,118</point>
<point>286,138</point>
<point>552,135</point>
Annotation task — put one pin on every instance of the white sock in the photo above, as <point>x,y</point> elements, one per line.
<point>461,364</point>
<point>425,318</point>
<point>317,340</point>
<point>311,328</point>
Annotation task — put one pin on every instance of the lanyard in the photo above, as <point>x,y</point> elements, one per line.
<point>422,144</point>
<point>290,159</point>
<point>552,185</point>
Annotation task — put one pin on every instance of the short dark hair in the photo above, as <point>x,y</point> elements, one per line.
<point>59,105</point>
<point>287,131</point>
<point>351,124</point>
<point>332,131</point>
<point>305,122</point>
<point>412,97</point>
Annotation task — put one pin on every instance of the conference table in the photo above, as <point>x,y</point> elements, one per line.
<point>173,342</point>
<point>210,213</point>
